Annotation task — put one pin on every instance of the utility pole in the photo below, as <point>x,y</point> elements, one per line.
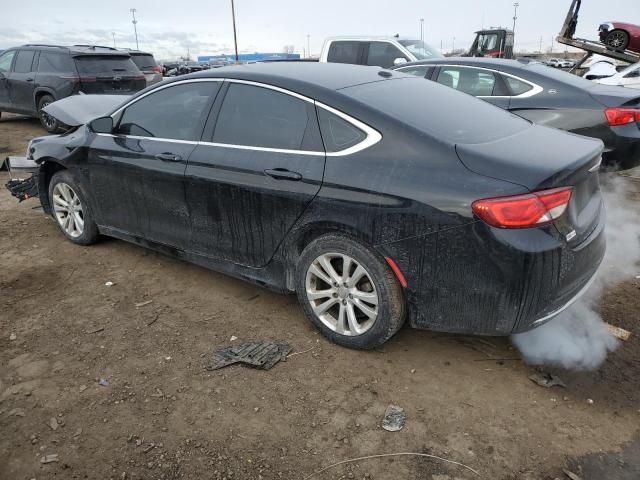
<point>308,46</point>
<point>235,37</point>
<point>135,22</point>
<point>515,17</point>
<point>422,29</point>
<point>113,34</point>
<point>453,45</point>
<point>540,50</point>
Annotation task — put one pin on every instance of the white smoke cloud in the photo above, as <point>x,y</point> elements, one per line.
<point>578,338</point>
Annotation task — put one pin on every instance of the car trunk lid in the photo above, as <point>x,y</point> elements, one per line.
<point>541,158</point>
<point>108,74</point>
<point>614,96</point>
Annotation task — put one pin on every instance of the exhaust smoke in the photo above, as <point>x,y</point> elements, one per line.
<point>578,338</point>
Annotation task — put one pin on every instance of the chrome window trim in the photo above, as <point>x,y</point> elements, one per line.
<point>534,91</point>
<point>372,135</point>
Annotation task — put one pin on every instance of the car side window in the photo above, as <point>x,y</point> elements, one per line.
<point>50,62</point>
<point>24,61</point>
<point>479,83</point>
<point>260,117</point>
<point>5,61</point>
<point>383,54</point>
<point>344,52</point>
<point>517,87</point>
<point>418,70</point>
<point>337,133</point>
<point>633,74</point>
<point>175,112</point>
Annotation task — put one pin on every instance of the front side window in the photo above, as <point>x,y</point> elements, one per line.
<point>175,112</point>
<point>24,59</point>
<point>5,61</point>
<point>517,87</point>
<point>337,133</point>
<point>420,50</point>
<point>260,117</point>
<point>418,71</point>
<point>344,52</point>
<point>478,83</point>
<point>383,54</point>
<point>55,63</point>
<point>488,42</point>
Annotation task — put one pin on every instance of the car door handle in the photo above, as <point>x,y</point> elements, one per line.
<point>29,80</point>
<point>169,157</point>
<point>283,174</point>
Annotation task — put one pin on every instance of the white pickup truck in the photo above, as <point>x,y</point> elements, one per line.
<point>377,51</point>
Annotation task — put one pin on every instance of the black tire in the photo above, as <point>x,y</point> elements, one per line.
<point>89,232</point>
<point>391,303</point>
<point>50,124</point>
<point>617,40</point>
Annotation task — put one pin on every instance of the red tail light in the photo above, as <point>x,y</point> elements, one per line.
<point>157,69</point>
<point>622,116</point>
<point>523,211</point>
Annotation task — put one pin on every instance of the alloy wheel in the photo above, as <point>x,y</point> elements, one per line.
<point>342,294</point>
<point>616,39</point>
<point>47,119</point>
<point>68,210</point>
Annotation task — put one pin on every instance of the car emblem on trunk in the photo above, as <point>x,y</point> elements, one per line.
<point>117,79</point>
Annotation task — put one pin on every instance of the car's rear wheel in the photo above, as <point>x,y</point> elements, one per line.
<point>71,210</point>
<point>349,293</point>
<point>617,40</point>
<point>50,124</point>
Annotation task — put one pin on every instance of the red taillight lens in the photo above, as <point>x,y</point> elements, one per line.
<point>157,69</point>
<point>622,116</point>
<point>523,211</point>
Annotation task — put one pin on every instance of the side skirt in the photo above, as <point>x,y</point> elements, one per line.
<point>271,277</point>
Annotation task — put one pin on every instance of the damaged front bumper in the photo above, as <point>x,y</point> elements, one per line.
<point>20,187</point>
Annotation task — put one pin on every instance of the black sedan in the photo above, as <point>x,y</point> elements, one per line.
<point>374,195</point>
<point>550,97</point>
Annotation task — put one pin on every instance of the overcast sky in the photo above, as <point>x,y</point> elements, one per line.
<point>169,27</point>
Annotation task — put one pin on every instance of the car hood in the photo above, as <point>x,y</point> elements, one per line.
<point>81,109</point>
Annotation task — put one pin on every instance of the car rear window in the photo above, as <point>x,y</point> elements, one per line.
<point>559,75</point>
<point>106,65</point>
<point>144,62</point>
<point>439,111</point>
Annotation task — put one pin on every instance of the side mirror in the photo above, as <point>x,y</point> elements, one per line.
<point>101,125</point>
<point>400,61</point>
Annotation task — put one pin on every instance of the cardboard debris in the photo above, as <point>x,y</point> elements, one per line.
<point>619,333</point>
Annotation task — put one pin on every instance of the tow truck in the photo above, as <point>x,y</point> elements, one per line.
<point>591,47</point>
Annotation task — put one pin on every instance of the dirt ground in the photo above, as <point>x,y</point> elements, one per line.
<point>163,416</point>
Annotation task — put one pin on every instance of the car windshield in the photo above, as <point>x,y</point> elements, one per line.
<point>559,75</point>
<point>108,65</point>
<point>420,50</point>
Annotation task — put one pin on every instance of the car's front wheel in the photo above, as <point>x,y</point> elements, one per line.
<point>349,292</point>
<point>617,40</point>
<point>71,210</point>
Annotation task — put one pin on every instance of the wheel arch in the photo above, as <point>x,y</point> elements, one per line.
<point>304,235</point>
<point>39,93</point>
<point>48,167</point>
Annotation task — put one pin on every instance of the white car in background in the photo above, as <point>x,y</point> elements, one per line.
<point>629,77</point>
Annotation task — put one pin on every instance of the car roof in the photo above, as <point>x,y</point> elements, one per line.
<point>76,49</point>
<point>300,76</point>
<point>368,37</point>
<point>477,61</point>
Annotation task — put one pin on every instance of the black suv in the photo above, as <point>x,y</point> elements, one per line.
<point>32,76</point>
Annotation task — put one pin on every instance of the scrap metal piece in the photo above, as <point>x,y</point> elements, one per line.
<point>394,418</point>
<point>23,189</point>
<point>262,355</point>
<point>547,380</point>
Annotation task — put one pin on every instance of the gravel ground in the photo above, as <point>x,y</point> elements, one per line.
<point>163,416</point>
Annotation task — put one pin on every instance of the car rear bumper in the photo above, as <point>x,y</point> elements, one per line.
<point>476,279</point>
<point>622,147</point>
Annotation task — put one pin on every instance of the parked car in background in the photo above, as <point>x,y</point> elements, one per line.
<point>33,76</point>
<point>547,96</point>
<point>169,67</point>
<point>190,67</point>
<point>330,181</point>
<point>629,77</point>
<point>147,65</point>
<point>382,52</point>
<point>600,70</point>
<point>559,63</point>
<point>620,36</point>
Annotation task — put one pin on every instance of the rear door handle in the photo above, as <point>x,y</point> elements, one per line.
<point>169,157</point>
<point>283,174</point>
<point>29,80</point>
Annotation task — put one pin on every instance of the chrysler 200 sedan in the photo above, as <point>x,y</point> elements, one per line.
<point>374,195</point>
